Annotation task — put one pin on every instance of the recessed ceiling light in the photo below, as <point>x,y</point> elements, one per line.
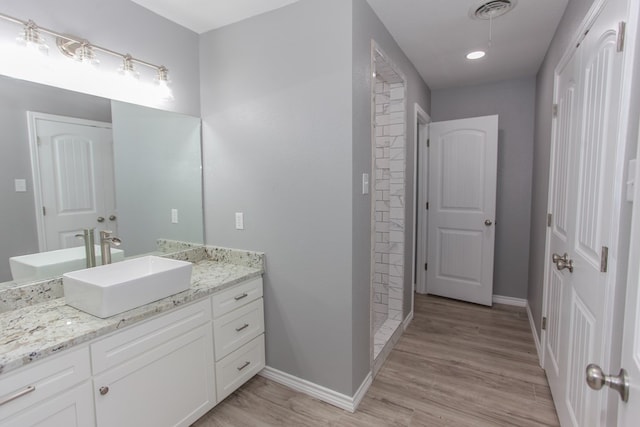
<point>476,54</point>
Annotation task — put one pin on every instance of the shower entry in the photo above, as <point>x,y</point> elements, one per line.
<point>389,121</point>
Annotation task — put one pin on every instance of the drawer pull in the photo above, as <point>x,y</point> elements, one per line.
<point>243,327</point>
<point>17,395</point>
<point>239,297</point>
<point>104,390</point>
<point>244,365</point>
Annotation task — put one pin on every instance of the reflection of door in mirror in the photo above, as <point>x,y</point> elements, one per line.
<point>73,165</point>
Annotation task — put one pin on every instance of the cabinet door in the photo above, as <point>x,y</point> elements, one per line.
<point>170,385</point>
<point>73,408</point>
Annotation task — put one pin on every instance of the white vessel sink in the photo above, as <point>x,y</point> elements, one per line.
<point>111,289</point>
<point>45,265</point>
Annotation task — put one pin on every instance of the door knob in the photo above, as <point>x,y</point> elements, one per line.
<point>103,390</point>
<point>563,262</point>
<point>597,379</point>
<point>488,222</point>
<point>100,219</point>
<point>112,217</point>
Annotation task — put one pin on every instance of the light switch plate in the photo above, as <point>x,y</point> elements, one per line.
<point>20,185</point>
<point>239,221</point>
<point>174,216</point>
<point>365,183</point>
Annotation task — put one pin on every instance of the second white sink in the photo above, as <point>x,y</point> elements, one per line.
<point>111,289</point>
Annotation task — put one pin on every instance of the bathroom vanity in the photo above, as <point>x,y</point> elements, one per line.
<point>163,364</point>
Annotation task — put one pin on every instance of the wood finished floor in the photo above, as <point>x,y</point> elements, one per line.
<point>457,364</point>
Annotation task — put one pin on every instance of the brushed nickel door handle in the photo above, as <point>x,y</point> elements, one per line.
<point>596,379</point>
<point>488,222</point>
<point>562,262</point>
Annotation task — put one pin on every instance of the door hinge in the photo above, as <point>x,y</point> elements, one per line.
<point>427,205</point>
<point>544,323</point>
<point>549,220</point>
<point>604,259</point>
<point>555,110</point>
<point>428,143</point>
<point>425,265</point>
<point>44,211</point>
<point>622,27</point>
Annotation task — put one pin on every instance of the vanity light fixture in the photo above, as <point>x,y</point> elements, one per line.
<point>127,69</point>
<point>162,80</point>
<point>85,52</point>
<point>31,38</point>
<point>477,54</point>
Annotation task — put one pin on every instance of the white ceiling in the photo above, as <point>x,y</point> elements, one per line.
<point>435,34</point>
<point>204,15</point>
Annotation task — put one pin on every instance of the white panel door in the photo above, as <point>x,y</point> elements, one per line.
<point>462,203</point>
<point>562,201</point>
<point>629,412</point>
<point>582,199</point>
<point>76,179</point>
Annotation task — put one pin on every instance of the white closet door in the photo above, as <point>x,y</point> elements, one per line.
<point>583,221</point>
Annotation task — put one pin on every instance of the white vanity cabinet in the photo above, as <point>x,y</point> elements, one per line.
<point>238,330</point>
<point>158,373</point>
<point>51,393</point>
<point>166,371</point>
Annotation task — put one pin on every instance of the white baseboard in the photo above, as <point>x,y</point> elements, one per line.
<point>536,340</point>
<point>407,321</point>
<point>518,302</point>
<point>342,401</point>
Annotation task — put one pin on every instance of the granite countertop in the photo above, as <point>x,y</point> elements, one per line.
<point>33,332</point>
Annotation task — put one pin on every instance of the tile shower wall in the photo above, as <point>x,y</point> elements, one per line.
<point>389,172</point>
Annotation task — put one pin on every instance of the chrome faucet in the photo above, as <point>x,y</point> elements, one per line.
<point>106,240</point>
<point>89,248</point>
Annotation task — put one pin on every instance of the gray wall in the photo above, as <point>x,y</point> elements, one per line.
<point>157,166</point>
<point>514,102</point>
<point>277,145</point>
<point>18,234</point>
<point>573,15</point>
<point>123,26</point>
<point>367,26</point>
<point>286,108</point>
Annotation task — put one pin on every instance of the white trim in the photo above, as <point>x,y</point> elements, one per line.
<point>32,127</point>
<point>517,302</point>
<point>420,179</point>
<point>580,33</point>
<point>536,340</point>
<point>317,391</point>
<point>407,320</point>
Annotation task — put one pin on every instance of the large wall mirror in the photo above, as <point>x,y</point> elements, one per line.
<point>70,161</point>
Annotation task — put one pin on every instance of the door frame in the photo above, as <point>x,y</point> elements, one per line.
<point>421,121</point>
<point>613,314</point>
<point>32,121</point>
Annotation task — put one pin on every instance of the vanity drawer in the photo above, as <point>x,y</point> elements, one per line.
<point>237,328</point>
<point>237,296</point>
<point>41,380</point>
<point>238,367</point>
<point>130,343</point>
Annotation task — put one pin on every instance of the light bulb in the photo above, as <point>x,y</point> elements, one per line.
<point>30,38</point>
<point>476,54</point>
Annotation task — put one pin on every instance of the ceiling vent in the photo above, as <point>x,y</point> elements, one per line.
<point>492,9</point>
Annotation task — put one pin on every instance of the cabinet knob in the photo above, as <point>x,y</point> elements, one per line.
<point>104,390</point>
